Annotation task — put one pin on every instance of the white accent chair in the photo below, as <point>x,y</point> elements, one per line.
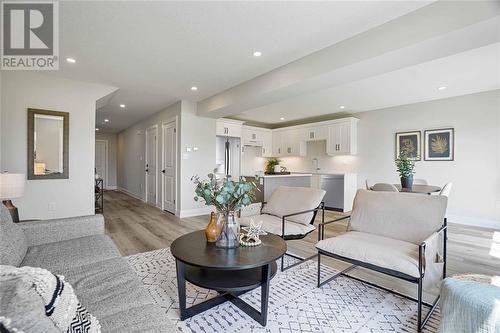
<point>446,190</point>
<point>289,213</point>
<point>384,187</point>
<point>398,234</point>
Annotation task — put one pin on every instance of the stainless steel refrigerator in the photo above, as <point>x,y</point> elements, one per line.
<point>228,157</point>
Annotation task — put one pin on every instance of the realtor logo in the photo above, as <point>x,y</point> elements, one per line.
<point>30,35</point>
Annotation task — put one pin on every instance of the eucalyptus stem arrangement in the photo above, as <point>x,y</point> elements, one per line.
<point>227,196</point>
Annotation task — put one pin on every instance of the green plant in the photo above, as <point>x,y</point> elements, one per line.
<point>271,163</point>
<point>405,166</point>
<point>225,194</point>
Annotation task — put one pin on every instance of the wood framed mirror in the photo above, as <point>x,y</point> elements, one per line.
<point>48,144</point>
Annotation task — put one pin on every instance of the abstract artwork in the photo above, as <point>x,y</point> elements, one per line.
<point>408,145</point>
<point>439,144</point>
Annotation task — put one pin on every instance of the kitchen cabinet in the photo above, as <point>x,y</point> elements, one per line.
<point>316,133</point>
<point>293,143</point>
<point>341,138</point>
<point>277,145</point>
<point>289,142</point>
<point>258,137</point>
<point>229,127</point>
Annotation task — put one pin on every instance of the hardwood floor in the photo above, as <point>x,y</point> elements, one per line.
<point>138,227</point>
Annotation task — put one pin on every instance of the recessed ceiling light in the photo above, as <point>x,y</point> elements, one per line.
<point>194,88</point>
<point>71,60</point>
<point>257,54</point>
<point>282,118</point>
<point>122,106</point>
<point>442,88</point>
<point>106,120</point>
<point>342,107</point>
<point>96,129</point>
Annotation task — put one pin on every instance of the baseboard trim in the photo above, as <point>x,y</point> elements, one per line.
<point>121,189</point>
<point>111,188</point>
<point>195,212</point>
<point>474,221</point>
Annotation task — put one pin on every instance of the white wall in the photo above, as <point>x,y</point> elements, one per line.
<point>475,173</point>
<point>195,132</point>
<point>22,90</point>
<point>111,138</point>
<point>131,151</point>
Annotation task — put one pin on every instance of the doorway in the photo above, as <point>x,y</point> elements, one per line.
<point>151,164</point>
<point>169,166</point>
<point>101,161</point>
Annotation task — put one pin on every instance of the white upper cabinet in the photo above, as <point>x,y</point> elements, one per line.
<point>258,137</point>
<point>277,147</point>
<point>342,137</point>
<point>229,127</point>
<point>267,143</point>
<point>316,133</point>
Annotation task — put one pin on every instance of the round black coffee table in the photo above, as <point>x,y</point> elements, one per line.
<point>231,272</point>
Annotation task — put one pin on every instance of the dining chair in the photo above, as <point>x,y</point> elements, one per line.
<point>385,187</point>
<point>420,181</point>
<point>446,190</point>
<point>368,186</point>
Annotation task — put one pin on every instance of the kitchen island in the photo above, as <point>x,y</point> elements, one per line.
<point>268,183</point>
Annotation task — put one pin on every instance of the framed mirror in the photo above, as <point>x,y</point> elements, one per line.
<point>48,144</point>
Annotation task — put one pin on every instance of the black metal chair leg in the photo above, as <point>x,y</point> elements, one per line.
<point>319,270</point>
<point>419,306</point>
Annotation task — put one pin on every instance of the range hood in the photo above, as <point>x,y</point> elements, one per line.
<point>253,143</point>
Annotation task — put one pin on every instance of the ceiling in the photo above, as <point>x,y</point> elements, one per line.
<point>463,73</point>
<point>155,51</point>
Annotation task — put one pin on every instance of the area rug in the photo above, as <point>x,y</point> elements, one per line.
<point>295,303</point>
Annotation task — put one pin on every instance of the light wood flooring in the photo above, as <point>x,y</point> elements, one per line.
<point>138,227</point>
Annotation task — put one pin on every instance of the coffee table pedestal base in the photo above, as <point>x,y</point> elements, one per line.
<point>230,285</point>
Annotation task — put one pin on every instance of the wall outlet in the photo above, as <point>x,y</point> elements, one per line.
<point>52,207</point>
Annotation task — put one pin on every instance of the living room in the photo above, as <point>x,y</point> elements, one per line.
<point>302,125</point>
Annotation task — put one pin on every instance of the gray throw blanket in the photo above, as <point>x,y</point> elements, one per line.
<point>469,306</point>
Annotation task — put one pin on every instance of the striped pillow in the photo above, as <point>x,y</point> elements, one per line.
<point>61,304</point>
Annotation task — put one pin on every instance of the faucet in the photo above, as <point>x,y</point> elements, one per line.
<point>316,162</point>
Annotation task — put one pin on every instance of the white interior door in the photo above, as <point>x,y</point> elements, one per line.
<point>101,160</point>
<point>169,164</point>
<point>151,164</point>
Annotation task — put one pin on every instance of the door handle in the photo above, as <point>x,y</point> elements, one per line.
<point>147,170</point>
<point>163,171</point>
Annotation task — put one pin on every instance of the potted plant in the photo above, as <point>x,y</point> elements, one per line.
<point>271,165</point>
<point>227,196</point>
<point>406,170</point>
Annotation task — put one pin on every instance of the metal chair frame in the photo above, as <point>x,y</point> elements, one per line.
<point>296,237</point>
<point>355,263</point>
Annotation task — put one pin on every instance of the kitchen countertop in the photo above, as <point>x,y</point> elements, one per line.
<point>319,173</point>
<point>281,176</point>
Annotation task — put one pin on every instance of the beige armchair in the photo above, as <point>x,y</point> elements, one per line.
<point>290,213</point>
<point>397,234</point>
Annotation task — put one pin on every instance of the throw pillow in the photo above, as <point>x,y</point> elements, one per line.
<point>49,292</point>
<point>13,244</point>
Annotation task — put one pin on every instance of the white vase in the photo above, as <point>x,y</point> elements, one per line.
<point>277,168</point>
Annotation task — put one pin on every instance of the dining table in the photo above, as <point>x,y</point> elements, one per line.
<point>422,189</point>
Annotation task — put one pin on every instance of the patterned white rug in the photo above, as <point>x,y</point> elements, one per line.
<point>295,303</point>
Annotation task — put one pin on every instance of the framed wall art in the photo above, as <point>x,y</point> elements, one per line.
<point>439,144</point>
<point>408,144</point>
